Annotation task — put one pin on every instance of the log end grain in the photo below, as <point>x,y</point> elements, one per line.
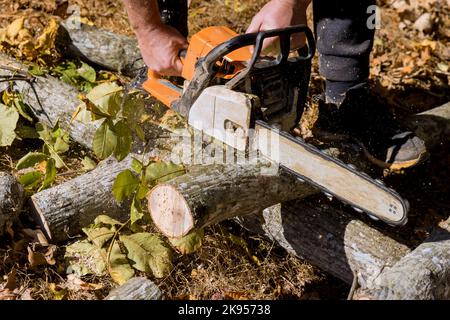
<point>170,211</point>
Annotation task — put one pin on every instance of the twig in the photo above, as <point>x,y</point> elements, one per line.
<point>353,287</point>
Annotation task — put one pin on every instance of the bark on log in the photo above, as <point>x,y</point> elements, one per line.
<point>63,210</point>
<point>330,239</point>
<point>51,100</point>
<point>423,274</point>
<point>138,288</point>
<point>101,47</point>
<point>11,200</point>
<point>432,125</point>
<point>210,194</point>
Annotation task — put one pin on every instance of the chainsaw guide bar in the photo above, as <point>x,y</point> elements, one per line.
<point>332,176</point>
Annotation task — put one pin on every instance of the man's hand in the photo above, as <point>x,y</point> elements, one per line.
<point>280,14</point>
<point>159,43</point>
<point>159,47</point>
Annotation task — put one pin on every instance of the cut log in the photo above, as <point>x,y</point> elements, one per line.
<point>433,125</point>
<point>11,200</point>
<point>210,194</point>
<point>138,288</point>
<point>423,274</point>
<point>328,238</point>
<point>100,47</point>
<point>51,100</point>
<point>63,210</point>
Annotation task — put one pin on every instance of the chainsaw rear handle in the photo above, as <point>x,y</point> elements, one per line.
<point>257,39</point>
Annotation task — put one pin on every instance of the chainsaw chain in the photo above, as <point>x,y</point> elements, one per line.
<point>350,167</point>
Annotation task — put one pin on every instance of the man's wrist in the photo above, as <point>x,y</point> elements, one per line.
<point>144,29</point>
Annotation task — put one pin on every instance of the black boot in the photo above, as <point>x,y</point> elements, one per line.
<point>360,116</point>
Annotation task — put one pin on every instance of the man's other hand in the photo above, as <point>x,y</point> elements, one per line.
<point>281,14</point>
<point>159,47</point>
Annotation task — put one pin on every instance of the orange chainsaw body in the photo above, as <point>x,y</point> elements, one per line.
<point>200,45</point>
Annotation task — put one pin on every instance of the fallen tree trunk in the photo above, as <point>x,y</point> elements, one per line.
<point>63,210</point>
<point>100,47</point>
<point>331,239</point>
<point>433,125</point>
<point>50,99</point>
<point>423,274</point>
<point>11,200</point>
<point>138,288</point>
<point>210,194</point>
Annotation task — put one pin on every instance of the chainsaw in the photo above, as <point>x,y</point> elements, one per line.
<point>245,99</point>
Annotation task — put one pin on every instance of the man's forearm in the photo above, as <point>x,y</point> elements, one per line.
<point>143,14</point>
<point>295,3</point>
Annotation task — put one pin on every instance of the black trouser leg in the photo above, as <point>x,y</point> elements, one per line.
<point>175,14</point>
<point>344,42</point>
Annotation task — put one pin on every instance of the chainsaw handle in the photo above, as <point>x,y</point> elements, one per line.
<point>162,89</point>
<point>155,75</point>
<point>257,40</point>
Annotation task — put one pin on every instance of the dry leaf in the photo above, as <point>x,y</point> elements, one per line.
<point>26,295</point>
<point>236,296</point>
<point>7,294</point>
<point>14,28</point>
<point>35,258</point>
<point>11,282</point>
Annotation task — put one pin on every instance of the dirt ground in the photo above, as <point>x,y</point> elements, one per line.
<point>409,72</point>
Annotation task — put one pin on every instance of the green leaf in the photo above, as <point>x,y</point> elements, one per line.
<point>124,139</point>
<point>189,243</point>
<point>35,70</point>
<point>84,115</point>
<point>8,123</point>
<point>50,174</point>
<point>87,72</point>
<point>88,164</point>
<point>30,160</point>
<point>139,132</point>
<point>149,253</point>
<point>159,172</point>
<point>142,192</point>
<point>55,156</point>
<point>105,140</point>
<point>85,258</point>
<point>133,108</point>
<point>106,220</point>
<point>120,269</point>
<point>44,133</point>
<point>124,185</point>
<point>31,179</point>
<point>136,165</point>
<point>99,235</point>
<point>106,97</point>
<point>61,145</point>
<point>26,132</point>
<point>136,212</point>
<point>23,109</point>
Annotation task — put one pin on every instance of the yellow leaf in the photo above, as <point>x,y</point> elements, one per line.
<point>46,40</point>
<point>41,166</point>
<point>23,35</point>
<point>428,43</point>
<point>14,28</point>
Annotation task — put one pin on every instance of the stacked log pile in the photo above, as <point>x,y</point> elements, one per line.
<point>273,205</point>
